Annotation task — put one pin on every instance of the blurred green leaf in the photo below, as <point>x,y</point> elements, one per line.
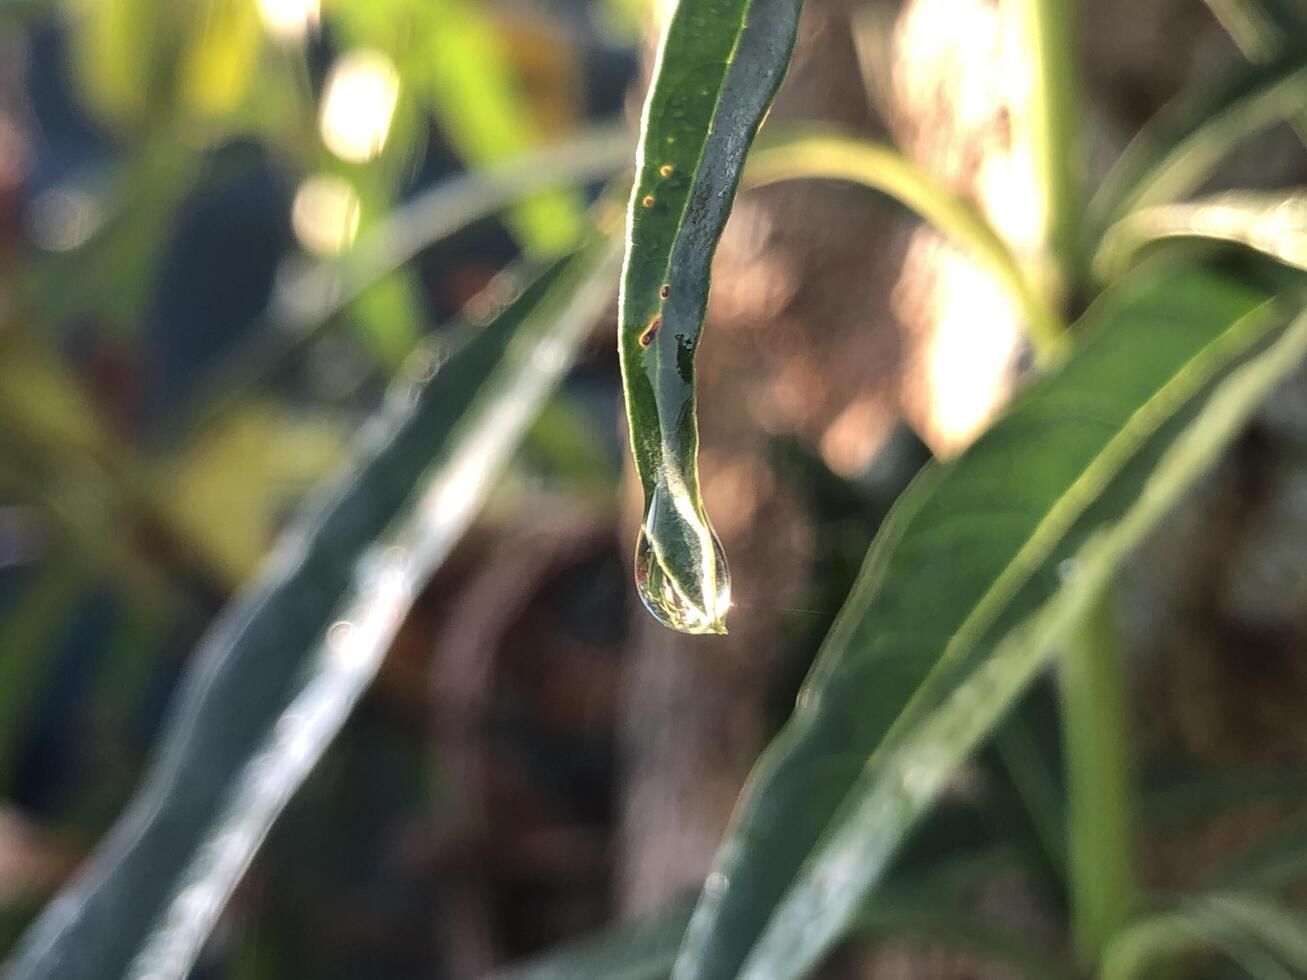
<point>1267,940</point>
<point>278,672</point>
<point>226,491</point>
<point>310,296</point>
<point>1272,222</point>
<point>478,97</point>
<point>1180,148</point>
<point>116,49</point>
<point>220,58</point>
<point>454,58</point>
<point>832,156</point>
<point>717,71</point>
<point>952,615</point>
<point>1261,27</point>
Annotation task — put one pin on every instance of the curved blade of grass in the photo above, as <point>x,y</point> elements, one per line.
<point>717,70</point>
<point>971,552</point>
<point>1274,223</point>
<point>1261,27</point>
<point>1183,144</point>
<point>826,155</point>
<point>1268,941</point>
<point>279,671</point>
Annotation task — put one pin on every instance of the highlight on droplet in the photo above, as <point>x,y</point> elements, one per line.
<point>698,604</point>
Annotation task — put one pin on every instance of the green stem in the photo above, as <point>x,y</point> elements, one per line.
<point>882,168</point>
<point>1100,846</point>
<point>1055,131</point>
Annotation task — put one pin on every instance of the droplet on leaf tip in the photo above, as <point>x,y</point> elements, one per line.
<point>668,605</point>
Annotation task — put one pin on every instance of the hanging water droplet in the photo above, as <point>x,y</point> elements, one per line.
<point>669,605</point>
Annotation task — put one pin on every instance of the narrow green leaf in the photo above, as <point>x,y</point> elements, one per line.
<point>279,671</point>
<point>971,553</point>
<point>1261,27</point>
<point>831,156</point>
<point>1268,941</point>
<point>1272,222</point>
<point>1179,149</point>
<point>718,68</point>
<point>905,774</point>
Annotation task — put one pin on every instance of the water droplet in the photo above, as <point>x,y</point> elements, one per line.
<point>339,636</point>
<point>665,291</point>
<point>1066,569</point>
<point>647,201</point>
<point>697,606</point>
<point>665,170</point>
<point>716,885</point>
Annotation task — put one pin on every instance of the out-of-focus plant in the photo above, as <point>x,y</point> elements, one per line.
<point>366,135</point>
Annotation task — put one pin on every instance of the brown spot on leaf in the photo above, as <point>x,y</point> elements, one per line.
<point>647,337</point>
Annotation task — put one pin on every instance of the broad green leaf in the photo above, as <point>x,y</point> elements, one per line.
<point>1271,222</point>
<point>831,156</point>
<point>905,774</point>
<point>937,637</point>
<point>278,672</point>
<point>1179,149</point>
<point>717,70</point>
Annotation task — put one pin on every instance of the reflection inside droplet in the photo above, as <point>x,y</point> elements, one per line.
<point>669,603</point>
